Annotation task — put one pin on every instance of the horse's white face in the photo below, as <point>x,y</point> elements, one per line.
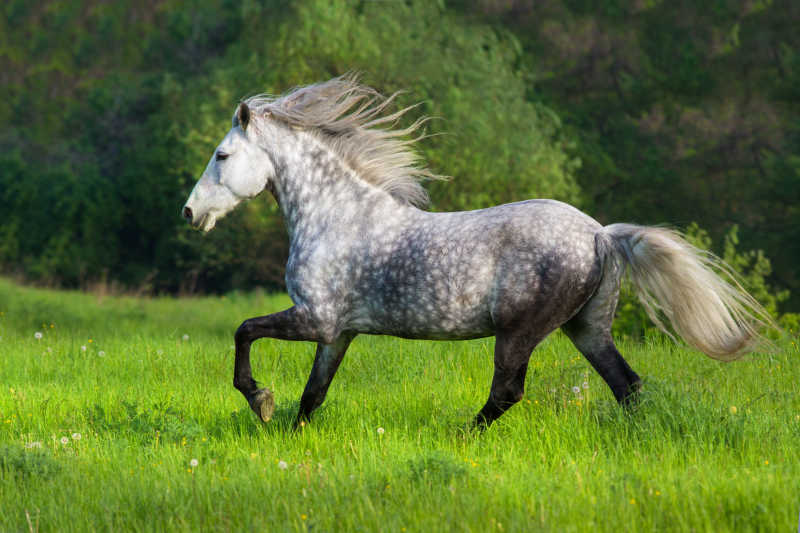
<point>238,170</point>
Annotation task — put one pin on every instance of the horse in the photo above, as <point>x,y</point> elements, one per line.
<point>365,257</point>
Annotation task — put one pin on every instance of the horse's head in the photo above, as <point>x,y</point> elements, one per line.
<point>238,170</point>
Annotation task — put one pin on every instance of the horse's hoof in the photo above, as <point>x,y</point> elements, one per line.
<point>263,404</point>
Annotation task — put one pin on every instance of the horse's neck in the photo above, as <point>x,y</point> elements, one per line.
<point>317,191</point>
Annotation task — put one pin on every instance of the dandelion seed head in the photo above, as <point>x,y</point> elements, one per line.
<point>83,348</point>
<point>193,463</point>
<point>185,337</point>
<point>283,465</point>
<point>37,335</point>
<point>76,436</point>
<point>576,389</point>
<point>101,353</point>
<point>381,431</point>
<point>585,385</point>
<point>64,440</point>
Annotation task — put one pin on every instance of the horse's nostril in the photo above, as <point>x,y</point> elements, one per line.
<point>187,213</point>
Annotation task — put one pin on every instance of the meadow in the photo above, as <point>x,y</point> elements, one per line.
<point>118,413</point>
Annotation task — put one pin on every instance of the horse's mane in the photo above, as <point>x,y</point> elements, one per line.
<point>348,117</point>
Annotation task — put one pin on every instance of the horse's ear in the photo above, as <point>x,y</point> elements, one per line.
<point>243,115</point>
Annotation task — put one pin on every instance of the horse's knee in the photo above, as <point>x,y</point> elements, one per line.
<point>244,332</point>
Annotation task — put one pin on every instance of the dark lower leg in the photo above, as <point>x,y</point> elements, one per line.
<point>622,380</point>
<point>595,343</point>
<point>326,362</point>
<point>291,324</point>
<point>508,386</point>
<point>511,354</point>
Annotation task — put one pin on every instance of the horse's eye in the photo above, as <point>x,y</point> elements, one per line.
<point>222,156</point>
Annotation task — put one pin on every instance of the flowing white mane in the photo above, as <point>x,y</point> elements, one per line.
<point>348,117</point>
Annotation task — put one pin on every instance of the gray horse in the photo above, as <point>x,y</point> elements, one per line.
<point>364,258</point>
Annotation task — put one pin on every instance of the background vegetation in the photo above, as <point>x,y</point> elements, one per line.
<point>641,110</point>
<point>117,413</point>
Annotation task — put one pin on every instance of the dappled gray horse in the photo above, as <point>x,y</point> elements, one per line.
<point>363,257</point>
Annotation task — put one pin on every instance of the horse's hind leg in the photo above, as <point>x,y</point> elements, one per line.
<point>326,362</point>
<point>590,332</point>
<point>511,355</point>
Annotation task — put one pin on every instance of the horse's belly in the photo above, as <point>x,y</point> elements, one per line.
<point>437,328</point>
<point>455,313</point>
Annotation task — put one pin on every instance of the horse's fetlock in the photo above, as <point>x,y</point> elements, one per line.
<point>244,385</point>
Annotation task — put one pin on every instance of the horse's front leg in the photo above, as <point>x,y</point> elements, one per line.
<point>292,324</point>
<point>326,362</point>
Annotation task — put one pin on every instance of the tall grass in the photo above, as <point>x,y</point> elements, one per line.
<point>711,447</point>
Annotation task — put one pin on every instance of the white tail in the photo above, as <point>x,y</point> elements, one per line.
<point>678,281</point>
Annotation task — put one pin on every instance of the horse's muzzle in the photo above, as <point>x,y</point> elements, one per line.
<point>195,222</point>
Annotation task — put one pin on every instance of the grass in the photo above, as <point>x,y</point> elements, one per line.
<point>712,447</point>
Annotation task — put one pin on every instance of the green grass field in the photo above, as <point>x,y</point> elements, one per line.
<point>122,416</point>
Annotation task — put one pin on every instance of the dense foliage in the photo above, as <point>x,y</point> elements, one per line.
<point>642,111</point>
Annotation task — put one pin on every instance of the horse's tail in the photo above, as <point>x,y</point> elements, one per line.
<point>680,282</point>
